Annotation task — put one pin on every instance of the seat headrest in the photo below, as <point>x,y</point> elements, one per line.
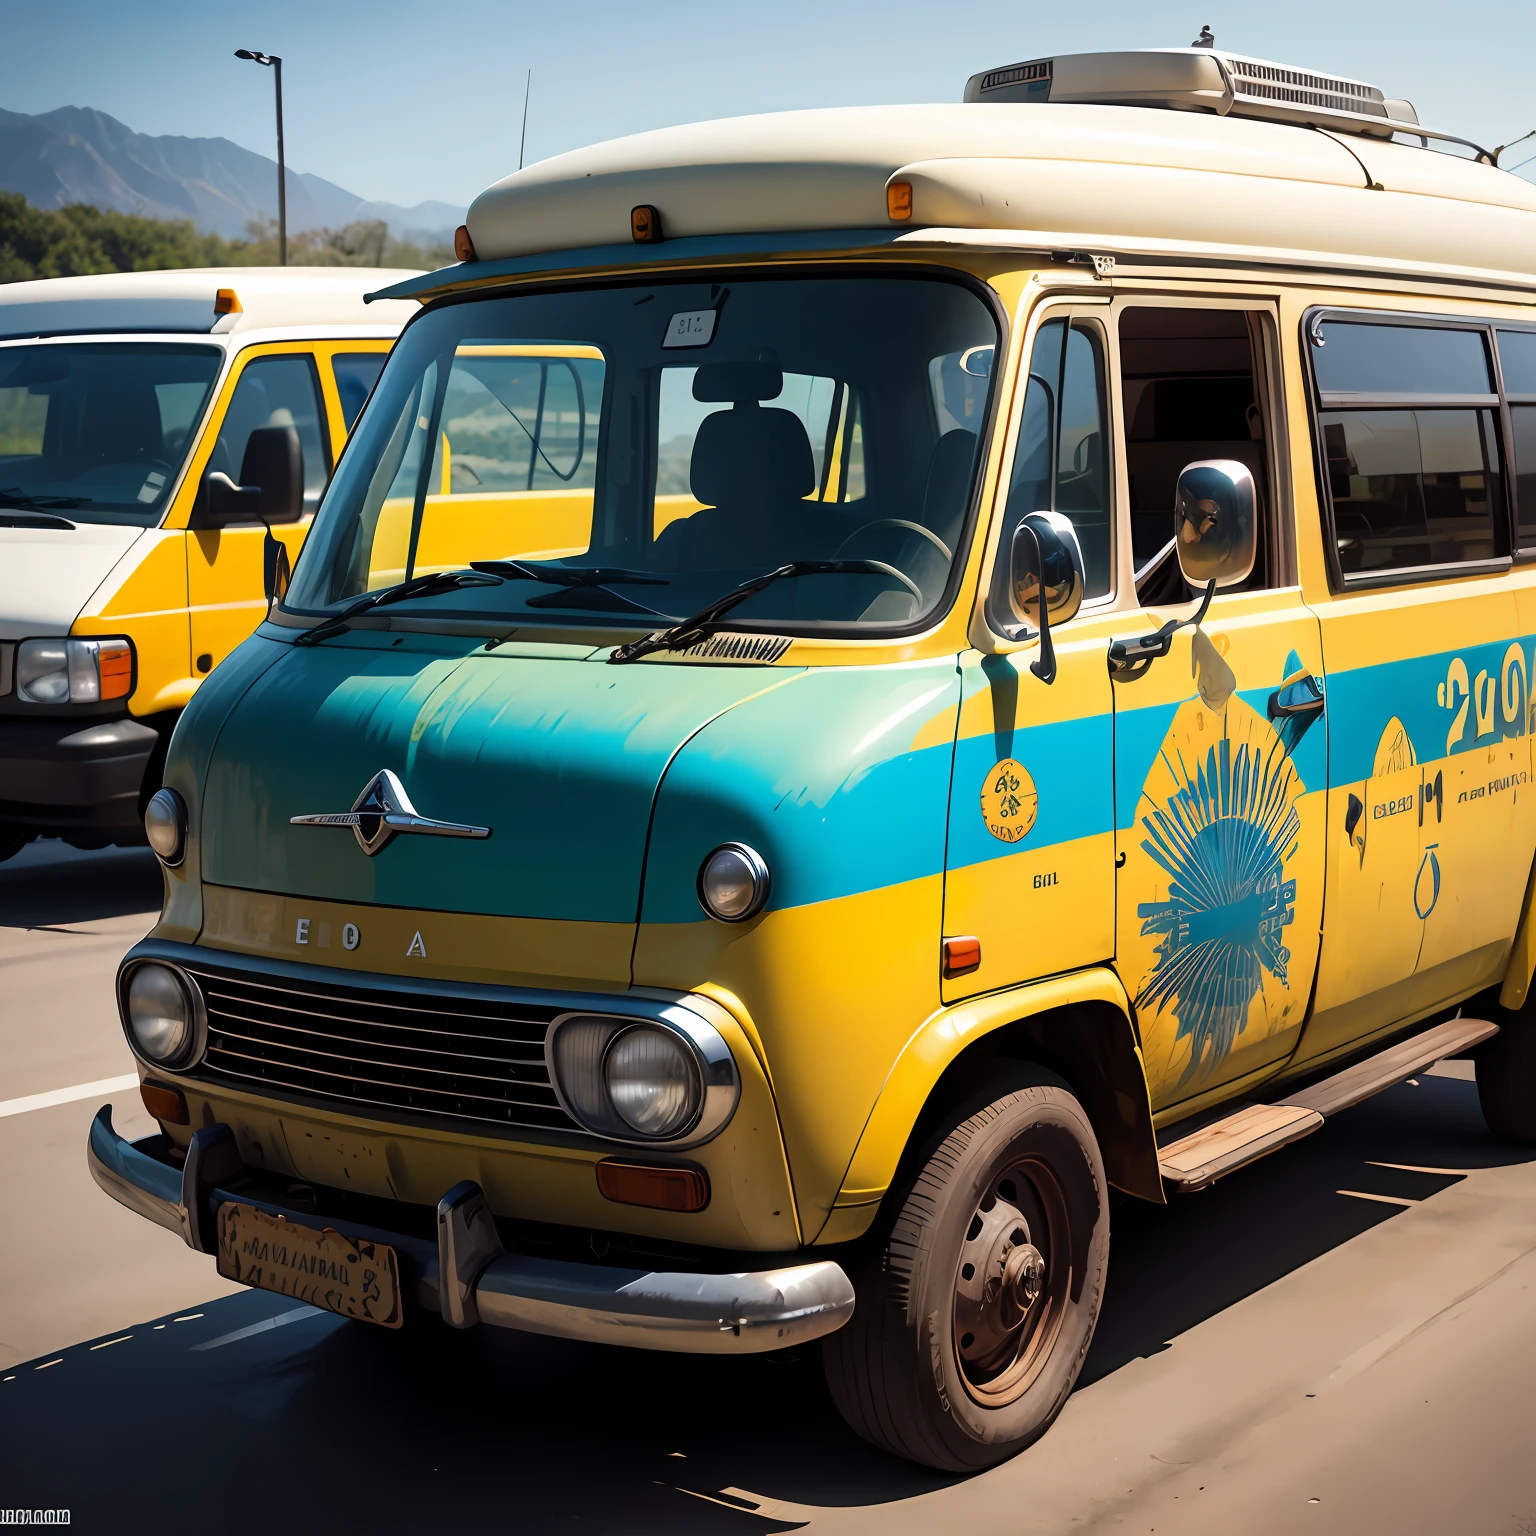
<point>949,477</point>
<point>750,454</point>
<point>717,383</point>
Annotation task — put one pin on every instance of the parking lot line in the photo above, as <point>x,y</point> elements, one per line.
<point>67,1095</point>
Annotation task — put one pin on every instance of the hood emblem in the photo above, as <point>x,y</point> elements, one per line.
<point>382,810</point>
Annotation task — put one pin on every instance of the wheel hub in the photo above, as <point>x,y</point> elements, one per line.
<point>1002,1274</point>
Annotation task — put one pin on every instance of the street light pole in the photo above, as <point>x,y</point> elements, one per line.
<point>272,61</point>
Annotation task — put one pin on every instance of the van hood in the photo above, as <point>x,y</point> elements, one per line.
<point>558,755</point>
<point>47,575</point>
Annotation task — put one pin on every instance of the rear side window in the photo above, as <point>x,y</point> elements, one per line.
<point>1408,422</point>
<point>1517,359</point>
<point>356,374</point>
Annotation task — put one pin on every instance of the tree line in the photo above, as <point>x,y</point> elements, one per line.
<point>80,239</point>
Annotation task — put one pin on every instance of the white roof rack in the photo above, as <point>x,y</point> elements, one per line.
<point>1202,79</point>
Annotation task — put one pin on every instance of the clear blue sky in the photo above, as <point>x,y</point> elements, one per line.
<point>406,101</point>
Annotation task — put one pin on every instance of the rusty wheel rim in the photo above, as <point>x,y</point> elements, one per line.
<point>1013,1278</point>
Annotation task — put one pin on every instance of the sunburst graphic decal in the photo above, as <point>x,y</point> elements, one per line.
<point>1223,838</point>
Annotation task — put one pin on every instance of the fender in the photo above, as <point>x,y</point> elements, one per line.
<point>1522,956</point>
<point>1079,1025</point>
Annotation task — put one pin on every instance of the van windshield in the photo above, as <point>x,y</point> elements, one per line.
<point>97,432</point>
<point>695,434</point>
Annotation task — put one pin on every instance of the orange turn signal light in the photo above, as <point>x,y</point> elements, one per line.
<point>227,302</point>
<point>645,224</point>
<point>167,1105</point>
<point>664,1187</point>
<point>898,200</point>
<point>114,662</point>
<point>961,956</point>
<point>463,246</point>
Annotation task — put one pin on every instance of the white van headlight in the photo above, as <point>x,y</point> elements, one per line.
<point>652,1081</point>
<point>73,670</point>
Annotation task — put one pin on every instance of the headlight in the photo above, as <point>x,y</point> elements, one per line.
<point>165,824</point>
<point>733,883</point>
<point>652,1081</point>
<point>633,1080</point>
<point>73,671</point>
<point>163,1012</point>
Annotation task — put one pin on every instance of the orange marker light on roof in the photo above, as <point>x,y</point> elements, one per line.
<point>645,224</point>
<point>227,302</point>
<point>898,200</point>
<point>463,246</point>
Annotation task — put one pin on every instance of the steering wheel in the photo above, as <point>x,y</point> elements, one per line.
<point>905,526</point>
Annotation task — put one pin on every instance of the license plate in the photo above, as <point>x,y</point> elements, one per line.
<point>356,1279</point>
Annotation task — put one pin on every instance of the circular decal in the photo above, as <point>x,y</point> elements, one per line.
<point>1009,801</point>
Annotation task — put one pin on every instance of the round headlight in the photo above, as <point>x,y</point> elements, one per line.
<point>652,1081</point>
<point>733,883</point>
<point>161,1013</point>
<point>165,824</point>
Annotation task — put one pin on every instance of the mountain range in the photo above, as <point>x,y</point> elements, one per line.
<point>79,155</point>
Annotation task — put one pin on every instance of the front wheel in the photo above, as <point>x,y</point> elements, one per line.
<point>974,1317</point>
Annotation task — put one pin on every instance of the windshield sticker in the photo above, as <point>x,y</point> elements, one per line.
<point>154,481</point>
<point>1009,801</point>
<point>690,328</point>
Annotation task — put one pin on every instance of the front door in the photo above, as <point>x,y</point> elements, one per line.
<point>1030,864</point>
<point>225,570</point>
<point>1220,745</point>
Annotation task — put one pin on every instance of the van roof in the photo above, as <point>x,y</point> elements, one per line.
<point>183,301</point>
<point>1048,176</point>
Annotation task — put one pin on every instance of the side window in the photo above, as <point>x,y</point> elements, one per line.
<point>276,392</point>
<point>1407,423</point>
<point>1517,355</point>
<point>356,374</point>
<point>1061,460</point>
<point>1190,390</point>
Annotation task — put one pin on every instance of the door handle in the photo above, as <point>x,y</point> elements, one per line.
<point>1298,696</point>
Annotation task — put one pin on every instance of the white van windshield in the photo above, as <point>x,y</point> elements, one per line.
<point>97,432</point>
<point>684,438</point>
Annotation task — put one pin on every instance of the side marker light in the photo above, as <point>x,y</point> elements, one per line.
<point>645,224</point>
<point>664,1187</point>
<point>961,956</point>
<point>898,200</point>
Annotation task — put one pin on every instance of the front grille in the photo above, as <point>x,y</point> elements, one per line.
<point>462,1056</point>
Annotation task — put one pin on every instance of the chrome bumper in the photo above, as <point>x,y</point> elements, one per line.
<point>468,1278</point>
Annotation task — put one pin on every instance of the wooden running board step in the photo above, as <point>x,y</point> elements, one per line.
<point>1250,1131</point>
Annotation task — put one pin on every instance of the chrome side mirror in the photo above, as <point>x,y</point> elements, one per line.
<point>1045,580</point>
<point>1216,523</point>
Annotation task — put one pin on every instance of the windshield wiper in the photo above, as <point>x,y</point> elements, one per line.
<point>701,625</point>
<point>14,496</point>
<point>593,581</point>
<point>417,586</point>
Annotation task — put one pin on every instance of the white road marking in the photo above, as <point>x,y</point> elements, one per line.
<point>297,1315</point>
<point>107,1344</point>
<point>1361,1194</point>
<point>67,1095</point>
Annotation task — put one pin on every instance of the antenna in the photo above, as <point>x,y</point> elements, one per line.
<point>522,143</point>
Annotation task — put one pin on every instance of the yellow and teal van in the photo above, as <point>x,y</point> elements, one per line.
<point>868,678</point>
<point>150,424</point>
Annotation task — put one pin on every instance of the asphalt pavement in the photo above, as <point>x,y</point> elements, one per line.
<point>1340,1339</point>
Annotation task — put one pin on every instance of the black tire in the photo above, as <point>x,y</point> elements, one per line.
<point>925,1368</point>
<point>1506,1072</point>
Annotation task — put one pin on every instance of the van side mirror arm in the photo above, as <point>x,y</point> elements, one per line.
<point>1044,665</point>
<point>1130,659</point>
